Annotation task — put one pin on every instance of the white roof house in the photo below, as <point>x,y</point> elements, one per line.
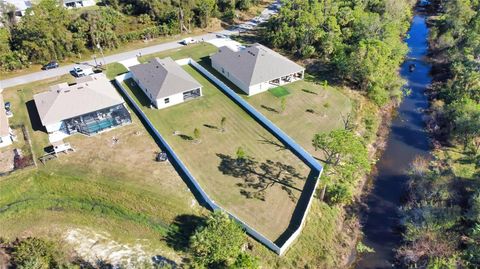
<point>165,82</point>
<point>20,6</point>
<point>78,3</point>
<point>88,107</point>
<point>5,132</point>
<point>255,68</point>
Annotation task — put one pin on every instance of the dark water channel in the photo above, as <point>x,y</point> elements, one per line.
<point>407,140</point>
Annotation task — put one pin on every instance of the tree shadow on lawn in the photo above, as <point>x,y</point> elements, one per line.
<point>211,126</point>
<point>182,228</point>
<point>259,177</point>
<point>309,91</point>
<point>185,137</point>
<point>272,142</point>
<point>271,109</point>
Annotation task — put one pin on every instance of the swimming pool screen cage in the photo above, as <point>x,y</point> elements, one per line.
<point>97,121</point>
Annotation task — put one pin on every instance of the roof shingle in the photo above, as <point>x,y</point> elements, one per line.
<point>163,77</point>
<point>62,101</point>
<point>255,64</point>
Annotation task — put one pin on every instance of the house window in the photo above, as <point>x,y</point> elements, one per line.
<point>167,100</point>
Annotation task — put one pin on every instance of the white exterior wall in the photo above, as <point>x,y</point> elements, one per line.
<point>250,90</point>
<point>160,103</point>
<point>5,141</point>
<point>261,87</point>
<point>53,127</point>
<point>173,100</point>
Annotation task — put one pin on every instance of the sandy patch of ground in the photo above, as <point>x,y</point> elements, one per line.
<point>99,248</point>
<point>6,160</point>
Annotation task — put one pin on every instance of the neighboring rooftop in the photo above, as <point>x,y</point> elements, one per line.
<point>63,101</point>
<point>20,5</point>
<point>255,64</point>
<point>163,77</point>
<point>4,127</point>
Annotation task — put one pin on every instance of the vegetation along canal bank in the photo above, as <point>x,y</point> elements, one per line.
<point>407,140</point>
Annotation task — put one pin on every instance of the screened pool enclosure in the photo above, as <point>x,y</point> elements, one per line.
<point>98,121</point>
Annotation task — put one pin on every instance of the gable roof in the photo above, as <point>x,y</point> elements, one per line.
<point>20,5</point>
<point>255,64</point>
<point>164,77</point>
<point>4,127</point>
<point>63,101</point>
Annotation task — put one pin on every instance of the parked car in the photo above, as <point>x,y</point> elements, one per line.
<point>78,71</point>
<point>8,109</point>
<point>188,40</point>
<point>50,65</point>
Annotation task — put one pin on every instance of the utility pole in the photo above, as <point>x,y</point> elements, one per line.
<point>103,56</point>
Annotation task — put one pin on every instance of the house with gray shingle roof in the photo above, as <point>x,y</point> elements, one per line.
<point>90,106</point>
<point>165,82</point>
<point>255,68</point>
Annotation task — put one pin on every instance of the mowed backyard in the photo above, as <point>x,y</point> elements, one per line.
<point>309,108</point>
<point>263,190</point>
<point>112,183</point>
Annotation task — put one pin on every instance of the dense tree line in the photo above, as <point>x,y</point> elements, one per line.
<point>442,217</point>
<point>361,40</point>
<point>48,31</point>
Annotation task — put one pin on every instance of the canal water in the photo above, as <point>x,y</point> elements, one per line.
<point>407,140</point>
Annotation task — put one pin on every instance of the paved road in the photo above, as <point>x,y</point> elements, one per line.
<point>41,75</point>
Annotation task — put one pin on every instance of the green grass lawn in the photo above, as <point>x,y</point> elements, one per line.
<point>194,51</point>
<point>279,91</point>
<point>310,109</point>
<point>264,198</point>
<point>115,69</point>
<point>110,187</point>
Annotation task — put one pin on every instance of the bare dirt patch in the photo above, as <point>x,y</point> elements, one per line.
<point>99,248</point>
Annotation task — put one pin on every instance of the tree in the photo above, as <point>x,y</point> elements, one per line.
<point>283,104</point>
<point>222,123</point>
<point>42,34</point>
<point>196,134</point>
<point>465,114</point>
<point>241,154</point>
<point>345,156</point>
<point>218,243</point>
<point>245,261</point>
<point>35,253</point>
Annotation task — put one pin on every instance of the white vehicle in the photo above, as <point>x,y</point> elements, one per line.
<point>188,40</point>
<point>78,71</point>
